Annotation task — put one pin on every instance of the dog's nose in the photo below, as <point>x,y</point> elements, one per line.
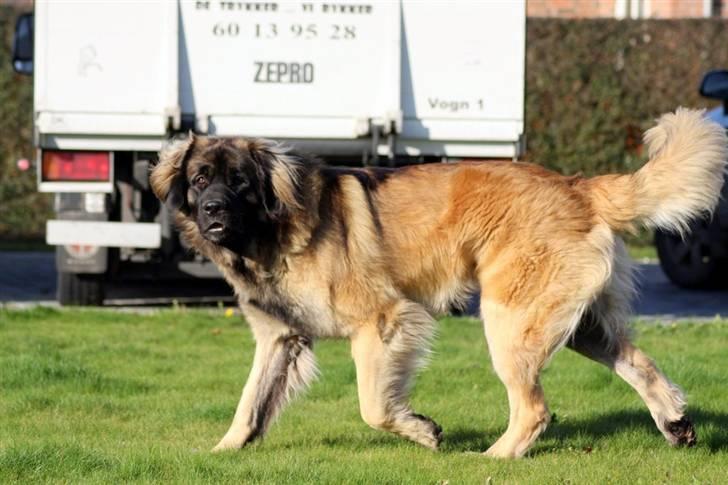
<point>212,207</point>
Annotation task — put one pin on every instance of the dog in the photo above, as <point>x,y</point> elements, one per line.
<point>371,254</point>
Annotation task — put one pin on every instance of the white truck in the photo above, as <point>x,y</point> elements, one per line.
<point>354,82</point>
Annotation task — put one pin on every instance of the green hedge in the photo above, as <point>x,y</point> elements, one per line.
<point>23,210</point>
<point>592,88</point>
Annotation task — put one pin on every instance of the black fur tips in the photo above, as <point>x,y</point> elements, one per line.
<point>438,433</point>
<point>436,428</point>
<point>682,431</point>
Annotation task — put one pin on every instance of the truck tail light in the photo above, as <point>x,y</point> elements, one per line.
<point>65,166</point>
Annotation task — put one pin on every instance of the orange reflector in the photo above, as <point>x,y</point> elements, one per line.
<point>75,166</point>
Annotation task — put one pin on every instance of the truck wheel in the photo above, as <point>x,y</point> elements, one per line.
<point>689,263</point>
<point>80,289</point>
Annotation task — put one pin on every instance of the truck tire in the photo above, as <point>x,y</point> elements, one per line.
<point>80,289</point>
<point>688,262</point>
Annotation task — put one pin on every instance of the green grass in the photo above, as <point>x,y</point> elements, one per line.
<point>640,253</point>
<point>105,396</point>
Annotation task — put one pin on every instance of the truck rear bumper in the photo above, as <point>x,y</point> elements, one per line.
<point>108,234</point>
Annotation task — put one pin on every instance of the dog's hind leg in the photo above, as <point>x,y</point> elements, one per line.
<point>518,349</point>
<point>387,351</point>
<point>283,365</point>
<point>664,399</point>
<point>603,336</point>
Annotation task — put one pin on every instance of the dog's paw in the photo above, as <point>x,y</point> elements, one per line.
<point>682,432</point>
<point>498,451</point>
<point>433,437</point>
<point>226,445</point>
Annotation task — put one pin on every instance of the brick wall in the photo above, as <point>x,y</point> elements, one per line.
<point>570,8</point>
<point>658,9</point>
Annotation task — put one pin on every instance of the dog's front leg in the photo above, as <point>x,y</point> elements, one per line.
<point>387,353</point>
<point>283,364</point>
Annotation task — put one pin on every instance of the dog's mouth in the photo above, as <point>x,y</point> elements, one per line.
<point>215,231</point>
<point>215,228</point>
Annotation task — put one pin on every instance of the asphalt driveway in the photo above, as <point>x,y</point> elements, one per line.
<point>27,277</point>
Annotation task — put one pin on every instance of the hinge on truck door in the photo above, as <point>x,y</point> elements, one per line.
<point>393,121</point>
<point>389,126</point>
<point>173,115</point>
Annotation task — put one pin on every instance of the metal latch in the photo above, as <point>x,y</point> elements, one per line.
<point>389,126</point>
<point>173,115</point>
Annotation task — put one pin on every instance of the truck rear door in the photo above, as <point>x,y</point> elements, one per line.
<point>308,70</point>
<point>462,78</point>
<point>404,77</point>
<point>445,77</point>
<point>104,69</point>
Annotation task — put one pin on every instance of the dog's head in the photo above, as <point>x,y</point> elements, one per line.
<point>233,192</point>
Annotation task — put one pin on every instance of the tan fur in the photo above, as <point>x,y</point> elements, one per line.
<point>681,181</point>
<point>371,256</point>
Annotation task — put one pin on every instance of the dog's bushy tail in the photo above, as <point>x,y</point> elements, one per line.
<point>681,181</point>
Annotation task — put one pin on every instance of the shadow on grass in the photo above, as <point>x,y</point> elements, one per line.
<point>471,440</point>
<point>711,428</point>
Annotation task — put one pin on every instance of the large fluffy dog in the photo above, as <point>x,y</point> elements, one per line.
<point>371,254</point>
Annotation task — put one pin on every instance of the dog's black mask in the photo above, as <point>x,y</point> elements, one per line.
<point>225,187</point>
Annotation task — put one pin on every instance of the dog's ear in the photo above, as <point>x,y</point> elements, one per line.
<point>168,178</point>
<point>279,172</point>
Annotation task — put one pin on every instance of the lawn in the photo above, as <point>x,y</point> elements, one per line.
<point>642,253</point>
<point>106,396</point>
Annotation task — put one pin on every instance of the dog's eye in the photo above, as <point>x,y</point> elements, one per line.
<point>200,181</point>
